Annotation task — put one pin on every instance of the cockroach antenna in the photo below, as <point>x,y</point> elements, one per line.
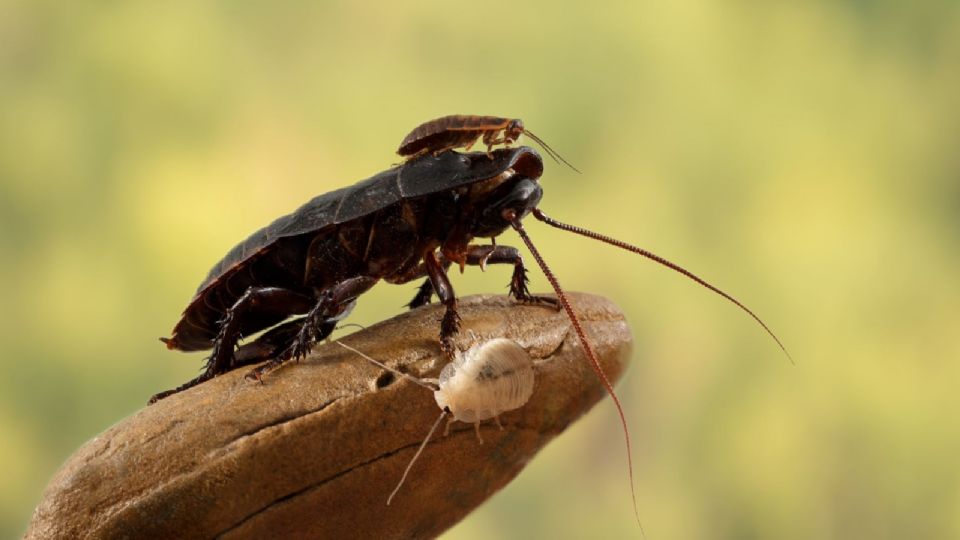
<point>537,213</point>
<point>550,151</point>
<point>515,222</point>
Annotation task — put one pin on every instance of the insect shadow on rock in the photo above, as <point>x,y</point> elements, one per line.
<point>411,221</point>
<point>463,130</point>
<point>486,380</point>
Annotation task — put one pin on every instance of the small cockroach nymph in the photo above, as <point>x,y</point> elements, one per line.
<point>463,130</point>
<point>486,380</point>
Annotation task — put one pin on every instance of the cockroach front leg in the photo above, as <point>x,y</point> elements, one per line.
<point>270,303</point>
<point>491,139</point>
<point>484,255</point>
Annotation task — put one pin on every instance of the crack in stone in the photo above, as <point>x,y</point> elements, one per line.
<point>279,421</point>
<point>463,431</point>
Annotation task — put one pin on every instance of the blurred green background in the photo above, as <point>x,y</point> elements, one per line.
<point>804,156</point>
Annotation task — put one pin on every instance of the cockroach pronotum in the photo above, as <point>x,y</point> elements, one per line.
<point>300,275</point>
<point>486,380</point>
<point>463,130</point>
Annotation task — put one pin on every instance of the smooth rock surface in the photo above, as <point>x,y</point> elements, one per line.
<point>315,451</point>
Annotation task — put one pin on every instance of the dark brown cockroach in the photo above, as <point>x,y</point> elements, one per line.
<point>410,221</point>
<point>300,275</point>
<point>463,130</point>
<point>490,378</point>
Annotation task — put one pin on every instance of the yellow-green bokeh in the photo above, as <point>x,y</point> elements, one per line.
<point>804,156</point>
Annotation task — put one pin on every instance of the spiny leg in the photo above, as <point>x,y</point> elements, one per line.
<point>263,302</point>
<point>450,324</point>
<point>483,255</point>
<point>258,304</point>
<point>320,321</point>
<point>491,139</point>
<point>189,384</point>
<point>425,292</point>
<point>270,344</point>
<point>283,351</point>
<point>435,265</point>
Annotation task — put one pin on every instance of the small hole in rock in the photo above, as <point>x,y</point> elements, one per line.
<point>385,379</point>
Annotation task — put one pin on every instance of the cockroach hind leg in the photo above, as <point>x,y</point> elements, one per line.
<point>476,429</point>
<point>496,420</point>
<point>446,429</point>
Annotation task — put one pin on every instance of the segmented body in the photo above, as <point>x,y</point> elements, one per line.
<point>486,380</point>
<point>378,227</point>
<point>456,131</point>
<point>462,131</point>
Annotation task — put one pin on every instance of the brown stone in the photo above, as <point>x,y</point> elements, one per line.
<point>315,451</point>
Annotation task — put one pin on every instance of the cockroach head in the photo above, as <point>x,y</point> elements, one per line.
<point>510,200</point>
<point>513,130</point>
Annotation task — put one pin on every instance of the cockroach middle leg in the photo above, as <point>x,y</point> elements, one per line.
<point>256,303</point>
<point>319,322</point>
<point>270,344</point>
<point>491,139</point>
<point>425,292</point>
<point>284,350</point>
<point>450,324</point>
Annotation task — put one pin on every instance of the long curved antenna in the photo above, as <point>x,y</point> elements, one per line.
<point>421,382</point>
<point>415,456</point>
<point>550,151</point>
<point>537,213</point>
<point>587,349</point>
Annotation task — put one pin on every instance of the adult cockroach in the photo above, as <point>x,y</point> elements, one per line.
<point>463,130</point>
<point>412,220</point>
<point>486,380</point>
